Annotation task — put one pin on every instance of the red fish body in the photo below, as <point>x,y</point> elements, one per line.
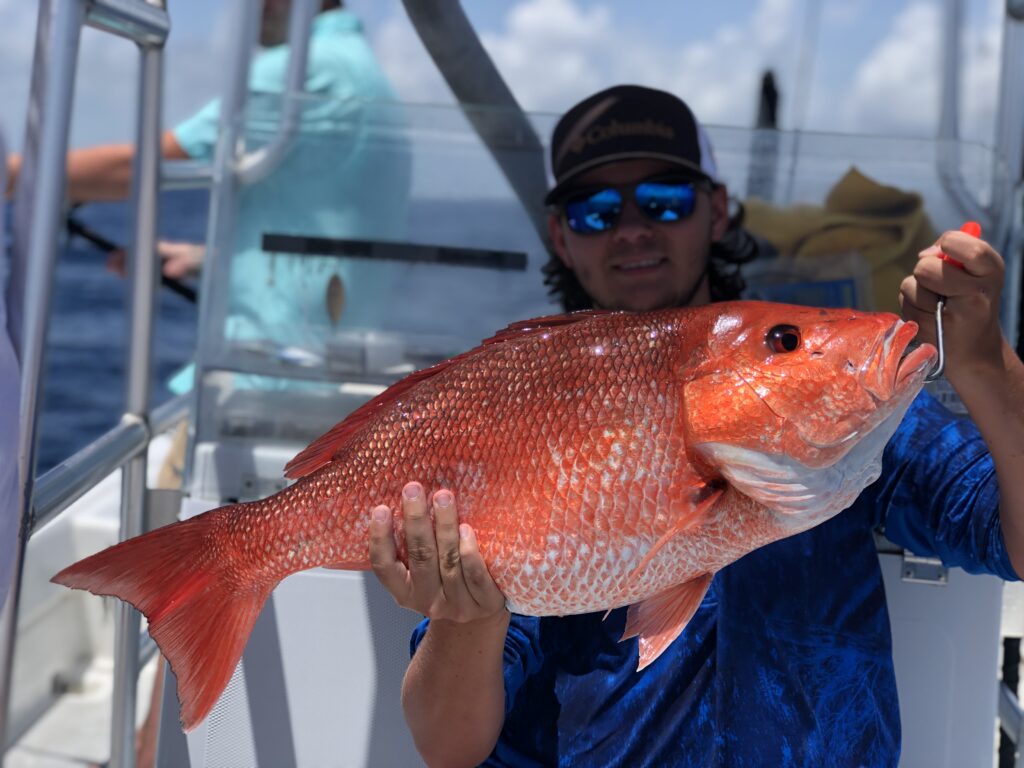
<point>603,459</point>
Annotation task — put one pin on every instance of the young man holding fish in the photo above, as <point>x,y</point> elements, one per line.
<point>787,659</point>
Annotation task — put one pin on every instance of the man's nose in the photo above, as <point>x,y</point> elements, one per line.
<point>632,222</point>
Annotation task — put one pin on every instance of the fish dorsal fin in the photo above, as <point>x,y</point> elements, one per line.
<point>325,448</point>
<point>522,328</point>
<point>683,523</point>
<point>658,620</point>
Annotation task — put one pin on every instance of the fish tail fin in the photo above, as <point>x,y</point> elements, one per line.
<point>200,611</point>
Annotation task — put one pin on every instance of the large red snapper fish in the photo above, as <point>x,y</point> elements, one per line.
<point>603,458</point>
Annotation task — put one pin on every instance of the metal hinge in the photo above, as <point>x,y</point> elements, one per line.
<point>924,570</point>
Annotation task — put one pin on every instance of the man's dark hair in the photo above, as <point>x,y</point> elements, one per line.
<point>737,246</point>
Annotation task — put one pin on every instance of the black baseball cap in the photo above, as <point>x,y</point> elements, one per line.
<point>628,122</point>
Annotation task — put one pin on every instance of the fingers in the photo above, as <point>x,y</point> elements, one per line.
<point>446,531</point>
<point>116,262</point>
<point>421,546</point>
<point>446,576</point>
<point>180,259</point>
<point>393,575</point>
<point>970,279</point>
<point>918,305</point>
<point>977,257</point>
<point>468,587</point>
<point>481,586</point>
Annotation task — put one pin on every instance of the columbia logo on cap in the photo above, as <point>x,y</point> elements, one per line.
<point>615,129</point>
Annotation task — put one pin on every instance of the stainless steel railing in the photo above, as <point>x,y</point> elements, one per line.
<point>41,199</point>
<point>67,482</point>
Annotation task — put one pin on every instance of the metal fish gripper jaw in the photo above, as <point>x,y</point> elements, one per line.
<point>973,229</point>
<point>940,365</point>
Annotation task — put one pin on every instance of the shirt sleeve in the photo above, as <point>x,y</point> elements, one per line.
<point>938,495</point>
<point>197,135</point>
<point>523,654</point>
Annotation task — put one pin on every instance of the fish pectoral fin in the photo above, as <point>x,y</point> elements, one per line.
<point>684,523</point>
<point>658,620</point>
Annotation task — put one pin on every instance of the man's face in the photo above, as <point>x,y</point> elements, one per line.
<point>642,264</point>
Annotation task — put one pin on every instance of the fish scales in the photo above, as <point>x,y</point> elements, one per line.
<point>579,472</point>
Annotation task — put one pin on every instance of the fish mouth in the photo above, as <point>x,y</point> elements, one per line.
<point>916,360</point>
<point>895,363</point>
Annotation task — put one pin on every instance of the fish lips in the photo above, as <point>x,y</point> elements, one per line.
<point>893,366</point>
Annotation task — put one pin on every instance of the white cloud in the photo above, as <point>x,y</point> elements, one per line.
<point>896,90</point>
<point>554,52</point>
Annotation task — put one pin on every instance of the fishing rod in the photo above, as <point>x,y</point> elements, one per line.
<point>76,227</point>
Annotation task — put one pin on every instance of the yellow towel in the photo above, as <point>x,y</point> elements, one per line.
<point>885,225</point>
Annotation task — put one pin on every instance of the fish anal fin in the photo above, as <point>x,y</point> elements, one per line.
<point>658,620</point>
<point>326,448</point>
<point>682,524</point>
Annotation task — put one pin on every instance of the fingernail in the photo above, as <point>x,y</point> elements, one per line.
<point>465,532</point>
<point>381,514</point>
<point>412,491</point>
<point>443,498</point>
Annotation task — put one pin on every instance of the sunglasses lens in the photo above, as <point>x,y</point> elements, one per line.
<point>666,202</point>
<point>596,213</point>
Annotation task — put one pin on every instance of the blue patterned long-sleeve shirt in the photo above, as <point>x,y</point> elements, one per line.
<point>788,661</point>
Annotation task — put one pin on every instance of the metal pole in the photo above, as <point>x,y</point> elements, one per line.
<point>53,83</point>
<point>949,104</point>
<point>1009,138</point>
<point>485,99</point>
<point>144,272</point>
<point>253,167</point>
<point>1009,143</point>
<point>949,109</point>
<point>220,236</point>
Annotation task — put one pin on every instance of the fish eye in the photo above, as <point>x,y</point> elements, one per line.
<point>783,338</point>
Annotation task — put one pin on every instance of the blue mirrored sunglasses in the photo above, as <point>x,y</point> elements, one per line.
<point>598,210</point>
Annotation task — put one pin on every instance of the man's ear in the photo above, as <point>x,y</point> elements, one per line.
<point>557,235</point>
<point>719,212</point>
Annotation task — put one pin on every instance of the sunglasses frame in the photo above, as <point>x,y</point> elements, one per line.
<point>626,192</point>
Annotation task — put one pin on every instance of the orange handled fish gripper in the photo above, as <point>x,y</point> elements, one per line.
<point>973,229</point>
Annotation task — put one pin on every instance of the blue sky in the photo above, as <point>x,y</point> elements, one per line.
<point>873,65</point>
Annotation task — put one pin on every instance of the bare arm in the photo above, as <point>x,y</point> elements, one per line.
<point>980,364</point>
<point>100,173</point>
<point>453,694</point>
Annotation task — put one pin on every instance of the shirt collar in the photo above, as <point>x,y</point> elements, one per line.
<point>337,20</point>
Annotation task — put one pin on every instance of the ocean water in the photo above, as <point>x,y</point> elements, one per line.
<point>83,392</point>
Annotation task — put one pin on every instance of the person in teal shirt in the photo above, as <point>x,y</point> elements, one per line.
<point>341,179</point>
<point>345,175</point>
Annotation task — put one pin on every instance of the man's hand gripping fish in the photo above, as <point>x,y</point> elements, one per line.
<point>603,459</point>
